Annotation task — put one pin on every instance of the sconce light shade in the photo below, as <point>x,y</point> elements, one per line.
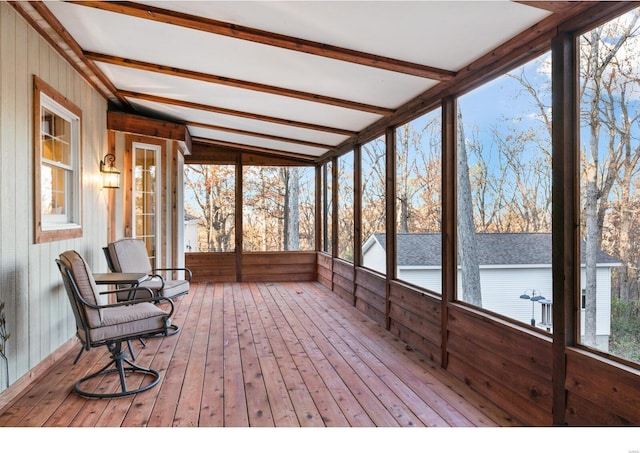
<point>110,174</point>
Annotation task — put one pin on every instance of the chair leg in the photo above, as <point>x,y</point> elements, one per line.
<point>120,364</point>
<point>79,354</point>
<point>131,353</point>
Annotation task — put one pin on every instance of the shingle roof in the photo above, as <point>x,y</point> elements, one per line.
<point>424,249</point>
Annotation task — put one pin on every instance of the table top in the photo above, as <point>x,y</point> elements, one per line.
<point>113,278</point>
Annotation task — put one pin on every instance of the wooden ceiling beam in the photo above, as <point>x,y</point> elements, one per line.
<point>259,135</point>
<point>554,7</point>
<point>235,83</point>
<point>271,39</point>
<point>291,157</point>
<point>238,113</point>
<point>134,124</point>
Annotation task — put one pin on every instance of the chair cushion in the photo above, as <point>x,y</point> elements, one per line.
<point>172,288</point>
<point>129,255</point>
<point>130,320</point>
<point>87,289</point>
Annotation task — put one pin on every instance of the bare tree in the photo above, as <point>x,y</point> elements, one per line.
<point>212,189</point>
<point>598,51</point>
<point>467,244</point>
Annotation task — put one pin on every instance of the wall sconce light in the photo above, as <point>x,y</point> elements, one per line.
<point>110,174</point>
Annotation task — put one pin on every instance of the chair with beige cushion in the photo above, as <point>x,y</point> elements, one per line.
<point>130,255</point>
<point>99,323</point>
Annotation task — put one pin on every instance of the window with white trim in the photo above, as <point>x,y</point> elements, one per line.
<point>57,165</point>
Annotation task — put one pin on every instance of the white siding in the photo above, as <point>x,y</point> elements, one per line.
<point>425,278</point>
<point>603,301</point>
<point>502,287</point>
<point>38,312</point>
<point>375,258</point>
<point>501,290</point>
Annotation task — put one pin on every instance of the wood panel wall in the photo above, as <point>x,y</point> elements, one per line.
<point>255,267</point>
<point>414,316</point>
<point>601,392</point>
<point>370,290</point>
<point>343,278</point>
<point>508,364</point>
<point>278,266</point>
<point>38,314</point>
<point>211,266</point>
<point>325,270</point>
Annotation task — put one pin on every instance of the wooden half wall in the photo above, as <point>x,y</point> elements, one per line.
<point>509,363</point>
<point>252,266</point>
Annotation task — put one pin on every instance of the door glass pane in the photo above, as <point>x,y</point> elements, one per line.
<point>145,188</point>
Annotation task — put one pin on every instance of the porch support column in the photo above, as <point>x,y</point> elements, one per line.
<point>449,190</point>
<point>391,231</point>
<point>357,217</point>
<point>565,213</point>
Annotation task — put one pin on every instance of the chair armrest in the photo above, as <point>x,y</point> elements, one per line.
<point>186,270</point>
<point>159,277</point>
<point>131,289</point>
<point>154,300</point>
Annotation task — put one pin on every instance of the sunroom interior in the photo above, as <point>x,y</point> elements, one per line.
<point>461,174</point>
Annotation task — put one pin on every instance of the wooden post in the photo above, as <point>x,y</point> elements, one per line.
<point>319,209</point>
<point>449,192</point>
<point>565,213</point>
<point>238,214</point>
<point>390,142</point>
<point>357,215</point>
<point>334,214</point>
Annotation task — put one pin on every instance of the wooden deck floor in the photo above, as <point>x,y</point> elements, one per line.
<point>275,354</point>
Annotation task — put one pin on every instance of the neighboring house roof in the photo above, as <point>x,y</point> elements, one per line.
<point>190,218</point>
<point>424,249</point>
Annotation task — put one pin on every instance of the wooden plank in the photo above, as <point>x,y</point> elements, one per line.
<point>419,302</point>
<point>343,269</point>
<point>375,300</point>
<point>516,344</point>
<point>277,271</point>
<point>368,389</point>
<point>514,377</point>
<point>399,399</point>
<point>434,385</point>
<point>282,408</point>
<point>320,373</point>
<point>604,383</point>
<point>582,412</point>
<point>212,404</point>
<point>258,407</point>
<point>164,409</point>
<point>417,341</point>
<point>498,393</point>
<point>424,327</point>
<point>188,408</point>
<point>276,258</point>
<point>235,402</point>
<point>308,392</point>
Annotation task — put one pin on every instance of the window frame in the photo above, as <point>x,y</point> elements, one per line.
<point>49,228</point>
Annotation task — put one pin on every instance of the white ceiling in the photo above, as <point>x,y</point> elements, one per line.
<point>445,35</point>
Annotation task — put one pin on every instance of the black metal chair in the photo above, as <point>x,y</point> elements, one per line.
<point>130,255</point>
<point>99,323</point>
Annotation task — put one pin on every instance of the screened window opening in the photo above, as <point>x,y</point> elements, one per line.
<point>278,208</point>
<point>504,195</point>
<point>209,206</point>
<point>609,69</point>
<point>419,201</point>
